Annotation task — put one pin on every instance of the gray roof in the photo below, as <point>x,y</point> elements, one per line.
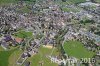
<point>27,63</point>
<point>4,44</point>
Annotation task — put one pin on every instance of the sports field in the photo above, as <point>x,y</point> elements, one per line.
<point>24,34</point>
<point>76,49</point>
<point>14,57</point>
<point>41,57</point>
<point>9,57</point>
<point>76,1</point>
<point>4,57</point>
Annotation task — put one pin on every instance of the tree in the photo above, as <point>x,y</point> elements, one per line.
<point>93,1</point>
<point>63,0</point>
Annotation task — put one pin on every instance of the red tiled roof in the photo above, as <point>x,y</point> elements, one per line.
<point>19,40</point>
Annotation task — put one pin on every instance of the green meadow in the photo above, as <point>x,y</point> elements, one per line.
<point>76,49</point>
<point>41,56</point>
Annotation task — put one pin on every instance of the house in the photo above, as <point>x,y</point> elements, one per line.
<point>97,41</point>
<point>27,63</point>
<point>4,45</point>
<point>98,53</point>
<point>25,54</point>
<point>90,64</point>
<point>28,49</point>
<point>7,38</point>
<point>88,4</point>
<point>18,40</point>
<point>32,43</point>
<point>14,43</point>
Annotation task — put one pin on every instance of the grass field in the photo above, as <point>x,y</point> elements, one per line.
<point>24,10</point>
<point>76,1</point>
<point>97,1</point>
<point>23,34</point>
<point>41,56</point>
<point>1,49</point>
<point>76,49</point>
<point>70,2</point>
<point>6,2</point>
<point>4,57</point>
<point>14,57</point>
<point>71,9</point>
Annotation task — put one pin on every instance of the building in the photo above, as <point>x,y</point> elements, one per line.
<point>7,38</point>
<point>27,63</point>
<point>4,45</point>
<point>18,40</point>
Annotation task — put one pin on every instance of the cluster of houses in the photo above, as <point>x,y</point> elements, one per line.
<point>29,51</point>
<point>7,41</point>
<point>88,39</point>
<point>46,19</point>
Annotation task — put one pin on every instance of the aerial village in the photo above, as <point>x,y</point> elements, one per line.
<point>43,29</point>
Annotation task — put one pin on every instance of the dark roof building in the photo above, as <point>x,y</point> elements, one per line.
<point>7,38</point>
<point>14,43</point>
<point>4,45</point>
<point>23,55</point>
<point>27,63</point>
